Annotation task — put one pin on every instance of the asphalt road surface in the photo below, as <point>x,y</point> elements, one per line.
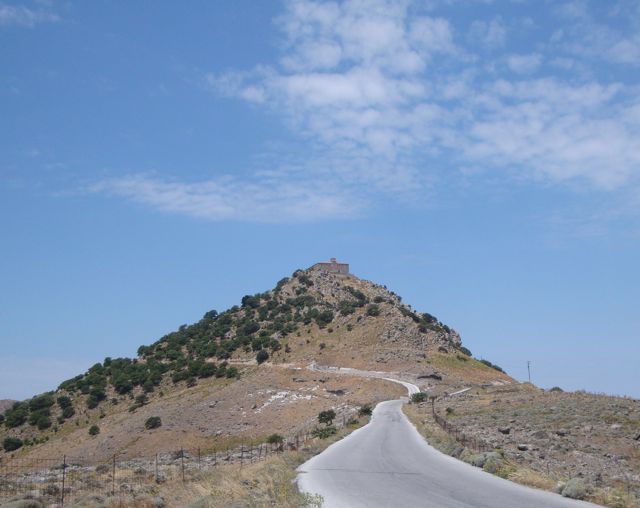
<point>388,464</point>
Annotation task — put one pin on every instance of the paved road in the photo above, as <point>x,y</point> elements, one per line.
<point>388,464</point>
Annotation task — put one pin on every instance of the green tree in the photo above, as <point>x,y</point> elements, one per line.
<point>11,443</point>
<point>208,370</point>
<point>41,402</point>
<point>64,401</point>
<point>94,430</point>
<point>262,356</point>
<point>16,415</point>
<point>327,417</point>
<point>68,412</point>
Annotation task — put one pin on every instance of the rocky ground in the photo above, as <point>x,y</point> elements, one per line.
<point>557,437</point>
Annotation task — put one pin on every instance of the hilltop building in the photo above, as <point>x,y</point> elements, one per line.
<point>333,267</point>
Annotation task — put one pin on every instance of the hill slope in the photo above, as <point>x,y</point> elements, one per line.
<point>238,374</point>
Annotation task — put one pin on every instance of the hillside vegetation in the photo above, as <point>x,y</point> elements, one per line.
<point>187,379</point>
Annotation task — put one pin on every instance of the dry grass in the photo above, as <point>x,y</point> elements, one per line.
<point>269,482</point>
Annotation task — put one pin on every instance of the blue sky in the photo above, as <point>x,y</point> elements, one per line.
<point>480,158</point>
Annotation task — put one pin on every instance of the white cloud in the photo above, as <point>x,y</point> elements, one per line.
<point>11,15</point>
<point>524,64</point>
<point>380,96</point>
<point>491,34</point>
<point>265,200</point>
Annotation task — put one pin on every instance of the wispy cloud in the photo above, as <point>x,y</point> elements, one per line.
<point>387,99</point>
<point>262,200</point>
<point>19,15</point>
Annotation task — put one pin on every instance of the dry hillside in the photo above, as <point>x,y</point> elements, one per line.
<point>242,374</point>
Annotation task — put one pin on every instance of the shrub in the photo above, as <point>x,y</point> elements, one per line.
<point>64,401</point>
<point>208,370</point>
<point>1,418</point>
<point>419,397</point>
<point>11,443</point>
<point>556,389</point>
<point>41,402</point>
<point>575,489</point>
<point>262,356</point>
<point>429,319</point>
<point>324,318</point>
<point>141,399</point>
<point>275,439</point>
<point>250,301</point>
<point>94,430</point>
<point>16,415</point>
<point>304,279</point>
<point>373,310</point>
<point>365,410</point>
<point>323,432</point>
<point>181,375</point>
<point>43,422</point>
<point>232,372</point>
<point>153,423</point>
<point>68,412</point>
<point>327,417</point>
<point>465,351</point>
<point>358,295</point>
<point>346,307</point>
<point>492,365</point>
<point>378,299</point>
<point>122,384</point>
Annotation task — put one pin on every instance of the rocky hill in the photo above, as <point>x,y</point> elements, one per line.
<point>241,373</point>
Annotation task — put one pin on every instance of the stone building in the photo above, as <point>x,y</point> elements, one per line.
<point>333,267</point>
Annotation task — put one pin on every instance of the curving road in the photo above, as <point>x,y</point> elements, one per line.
<point>387,463</point>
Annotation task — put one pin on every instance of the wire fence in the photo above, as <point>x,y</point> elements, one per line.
<point>456,433</point>
<point>69,478</point>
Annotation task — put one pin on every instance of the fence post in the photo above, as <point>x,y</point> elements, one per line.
<point>182,462</point>
<point>64,474</point>
<point>113,476</point>
<point>156,468</point>
<point>241,453</point>
<point>198,458</point>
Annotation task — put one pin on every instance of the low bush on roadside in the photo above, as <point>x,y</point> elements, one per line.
<point>324,432</point>
<point>365,410</point>
<point>416,398</point>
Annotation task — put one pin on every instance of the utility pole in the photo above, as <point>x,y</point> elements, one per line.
<point>529,369</point>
